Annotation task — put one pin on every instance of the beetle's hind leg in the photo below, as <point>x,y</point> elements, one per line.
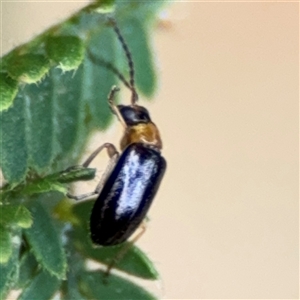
<point>113,154</point>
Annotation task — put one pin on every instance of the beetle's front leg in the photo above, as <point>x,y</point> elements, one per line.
<point>113,155</point>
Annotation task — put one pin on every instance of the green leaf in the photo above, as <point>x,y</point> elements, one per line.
<point>98,80</point>
<point>72,122</point>
<point>42,186</point>
<point>6,247</point>
<point>137,39</point>
<point>70,291</point>
<point>56,181</point>
<point>52,182</point>
<point>9,271</point>
<point>45,241</point>
<point>13,145</point>
<point>39,120</point>
<point>42,286</point>
<point>115,288</point>
<point>106,6</point>
<point>8,91</point>
<point>15,215</point>
<point>134,261</point>
<point>70,287</point>
<point>28,68</point>
<point>28,268</point>
<point>69,112</point>
<point>75,173</point>
<point>144,11</point>
<point>67,51</point>
<point>45,130</point>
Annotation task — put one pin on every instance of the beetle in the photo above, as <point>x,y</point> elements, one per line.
<point>132,178</point>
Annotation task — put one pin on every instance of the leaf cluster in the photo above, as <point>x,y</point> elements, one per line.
<point>52,97</point>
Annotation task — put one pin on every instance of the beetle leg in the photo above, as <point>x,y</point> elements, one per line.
<point>119,256</point>
<point>114,107</point>
<point>113,154</point>
<point>80,197</point>
<point>109,168</point>
<point>111,151</point>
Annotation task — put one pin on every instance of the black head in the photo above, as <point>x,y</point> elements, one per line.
<point>134,114</point>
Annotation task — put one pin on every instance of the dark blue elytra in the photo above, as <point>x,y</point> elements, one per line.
<point>127,195</point>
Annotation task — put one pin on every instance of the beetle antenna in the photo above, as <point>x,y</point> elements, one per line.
<point>109,66</point>
<point>134,96</point>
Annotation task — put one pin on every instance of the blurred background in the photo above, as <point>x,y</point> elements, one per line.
<point>225,223</point>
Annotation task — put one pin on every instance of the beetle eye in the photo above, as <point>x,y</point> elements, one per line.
<point>134,115</point>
